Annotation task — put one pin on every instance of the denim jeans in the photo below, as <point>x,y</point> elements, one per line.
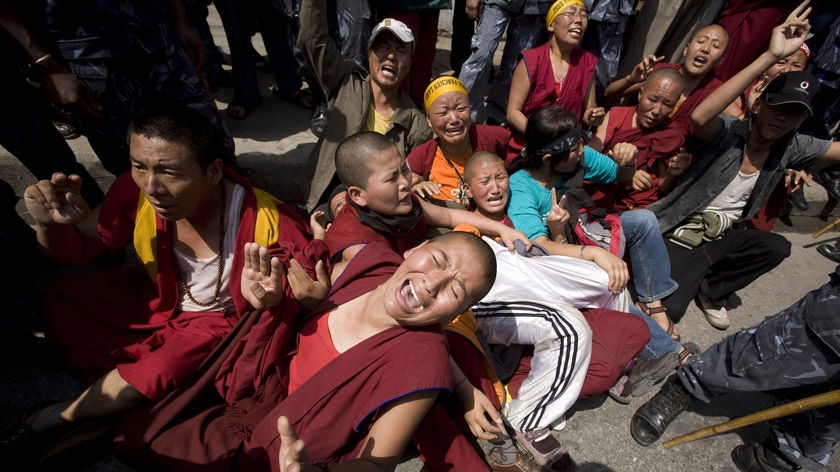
<point>660,343</point>
<point>523,33</point>
<point>649,262</point>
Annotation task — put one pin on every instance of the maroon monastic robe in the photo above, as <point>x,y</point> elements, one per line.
<point>661,142</point>
<point>348,231</point>
<point>543,90</point>
<point>192,428</point>
<point>682,115</point>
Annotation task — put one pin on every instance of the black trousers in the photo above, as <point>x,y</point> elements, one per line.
<point>722,267</point>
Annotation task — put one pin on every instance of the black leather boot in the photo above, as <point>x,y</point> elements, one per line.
<point>798,200</point>
<point>761,457</point>
<point>652,418</point>
<point>829,177</point>
<point>830,251</point>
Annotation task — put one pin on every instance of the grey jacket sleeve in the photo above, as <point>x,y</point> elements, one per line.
<point>322,54</point>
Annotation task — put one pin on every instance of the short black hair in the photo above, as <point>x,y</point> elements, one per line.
<point>178,123</point>
<point>544,126</point>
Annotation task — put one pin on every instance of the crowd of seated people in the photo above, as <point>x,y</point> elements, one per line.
<point>458,285</point>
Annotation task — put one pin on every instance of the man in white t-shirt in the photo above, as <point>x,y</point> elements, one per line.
<point>736,166</point>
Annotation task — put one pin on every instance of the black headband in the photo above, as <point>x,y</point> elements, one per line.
<point>561,144</point>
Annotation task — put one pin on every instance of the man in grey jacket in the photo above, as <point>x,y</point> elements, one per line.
<point>359,99</point>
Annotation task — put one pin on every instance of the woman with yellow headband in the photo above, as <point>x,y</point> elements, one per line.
<point>557,73</point>
<point>438,164</point>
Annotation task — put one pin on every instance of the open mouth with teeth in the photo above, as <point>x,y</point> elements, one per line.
<point>410,298</point>
<point>495,200</point>
<point>455,131</point>
<point>700,61</point>
<point>389,70</point>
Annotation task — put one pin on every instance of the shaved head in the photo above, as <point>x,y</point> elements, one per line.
<point>477,160</point>
<point>354,153</point>
<point>719,29</point>
<point>664,74</point>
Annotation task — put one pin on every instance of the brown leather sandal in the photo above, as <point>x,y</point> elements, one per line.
<point>687,350</point>
<point>672,328</point>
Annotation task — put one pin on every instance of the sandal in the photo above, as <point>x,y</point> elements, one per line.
<point>687,350</point>
<point>671,328</point>
<point>621,391</point>
<point>240,111</point>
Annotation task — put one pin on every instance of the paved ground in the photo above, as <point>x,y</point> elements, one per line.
<point>274,143</point>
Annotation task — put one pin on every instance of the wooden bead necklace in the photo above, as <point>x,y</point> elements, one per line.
<point>221,265</point>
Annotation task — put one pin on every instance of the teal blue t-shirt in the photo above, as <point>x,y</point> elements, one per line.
<point>530,202</point>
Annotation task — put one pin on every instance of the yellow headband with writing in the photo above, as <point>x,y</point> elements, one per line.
<point>440,86</point>
<point>559,6</point>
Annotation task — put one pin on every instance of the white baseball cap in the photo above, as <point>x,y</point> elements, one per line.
<point>397,28</point>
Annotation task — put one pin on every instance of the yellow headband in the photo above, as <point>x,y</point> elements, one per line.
<point>440,86</point>
<point>559,6</point>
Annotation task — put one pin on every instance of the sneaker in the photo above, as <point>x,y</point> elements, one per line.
<point>714,312</point>
<point>652,419</point>
<point>503,456</point>
<point>19,446</point>
<point>648,372</point>
<point>559,424</point>
<point>545,450</point>
<point>761,457</point>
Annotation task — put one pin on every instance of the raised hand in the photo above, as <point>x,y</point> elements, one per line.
<point>789,36</point>
<point>262,277</point>
<point>309,293</point>
<point>557,217</point>
<point>644,68</point>
<point>57,201</point>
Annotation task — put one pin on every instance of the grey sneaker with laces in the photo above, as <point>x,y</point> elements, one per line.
<point>647,372</point>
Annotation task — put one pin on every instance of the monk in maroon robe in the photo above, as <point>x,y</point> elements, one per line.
<point>557,73</point>
<point>702,54</point>
<point>380,381</point>
<point>657,137</point>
